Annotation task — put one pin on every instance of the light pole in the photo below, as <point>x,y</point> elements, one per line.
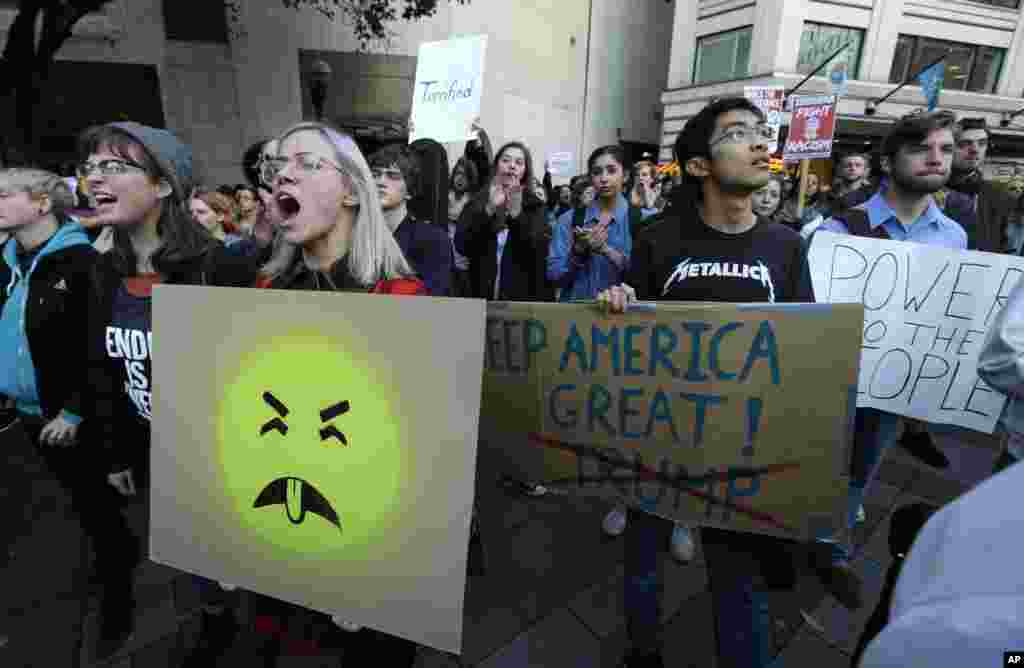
<point>319,79</point>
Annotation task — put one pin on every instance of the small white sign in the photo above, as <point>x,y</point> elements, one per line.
<point>448,89</point>
<point>562,163</point>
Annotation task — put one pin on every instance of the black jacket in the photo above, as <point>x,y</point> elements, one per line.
<point>55,316</point>
<point>523,275</point>
<point>120,435</point>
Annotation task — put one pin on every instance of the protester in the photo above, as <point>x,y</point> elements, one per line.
<point>44,303</point>
<point>916,160</point>
<point>215,212</point>
<point>986,213</point>
<point>766,200</point>
<point>564,202</point>
<point>430,201</point>
<point>724,153</point>
<point>853,188</point>
<point>645,191</point>
<point>397,172</point>
<point>958,598</point>
<point>337,239</point>
<point>465,183</point>
<point>590,248</point>
<point>248,202</point>
<point>789,213</point>
<point>141,178</point>
<point>1001,365</point>
<point>502,233</point>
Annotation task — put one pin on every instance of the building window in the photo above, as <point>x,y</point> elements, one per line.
<point>723,56</point>
<point>1009,4</point>
<point>968,66</point>
<point>196,21</point>
<point>819,41</point>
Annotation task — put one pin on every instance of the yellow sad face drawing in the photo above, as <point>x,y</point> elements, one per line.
<point>310,447</point>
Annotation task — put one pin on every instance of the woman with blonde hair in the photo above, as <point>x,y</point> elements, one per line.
<point>332,228</point>
<point>333,237</point>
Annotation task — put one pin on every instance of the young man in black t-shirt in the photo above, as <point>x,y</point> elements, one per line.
<point>713,248</point>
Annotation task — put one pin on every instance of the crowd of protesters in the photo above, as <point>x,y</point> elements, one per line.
<point>316,214</point>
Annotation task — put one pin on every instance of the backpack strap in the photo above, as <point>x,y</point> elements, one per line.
<point>859,225</point>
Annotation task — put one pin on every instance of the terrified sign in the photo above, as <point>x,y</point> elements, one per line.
<point>305,448</point>
<point>448,90</point>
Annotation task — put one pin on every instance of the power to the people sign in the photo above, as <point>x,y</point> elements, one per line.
<point>926,313</point>
<point>716,414</point>
<point>306,448</point>
<point>448,90</point>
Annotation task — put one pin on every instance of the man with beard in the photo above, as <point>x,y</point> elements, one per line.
<point>916,159</point>
<point>723,151</point>
<point>985,212</point>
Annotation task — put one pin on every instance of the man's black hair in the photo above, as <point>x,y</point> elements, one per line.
<point>695,139</point>
<point>399,155</point>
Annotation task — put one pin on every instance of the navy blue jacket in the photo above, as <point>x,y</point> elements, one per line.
<point>428,249</point>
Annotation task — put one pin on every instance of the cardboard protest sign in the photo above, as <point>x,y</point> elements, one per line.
<point>716,414</point>
<point>303,449</point>
<point>770,100</point>
<point>927,311</point>
<point>448,89</point>
<point>811,128</point>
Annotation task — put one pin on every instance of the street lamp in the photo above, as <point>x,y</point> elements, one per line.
<point>319,77</point>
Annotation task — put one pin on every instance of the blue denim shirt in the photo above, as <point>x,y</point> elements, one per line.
<point>933,227</point>
<point>583,279</point>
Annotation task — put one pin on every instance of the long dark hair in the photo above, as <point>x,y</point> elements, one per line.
<point>528,197</point>
<point>181,240</point>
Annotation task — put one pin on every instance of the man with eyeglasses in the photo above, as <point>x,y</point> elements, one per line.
<point>712,247</point>
<point>426,245</point>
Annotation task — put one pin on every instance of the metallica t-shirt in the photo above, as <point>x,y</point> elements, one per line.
<point>682,259</point>
<point>129,342</point>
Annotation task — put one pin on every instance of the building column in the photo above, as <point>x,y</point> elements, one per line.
<point>775,44</point>
<point>880,41</point>
<point>684,44</point>
<point>1011,79</point>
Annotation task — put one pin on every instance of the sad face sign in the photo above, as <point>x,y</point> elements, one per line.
<point>309,446</point>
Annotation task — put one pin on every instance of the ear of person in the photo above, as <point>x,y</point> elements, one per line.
<point>698,167</point>
<point>163,189</point>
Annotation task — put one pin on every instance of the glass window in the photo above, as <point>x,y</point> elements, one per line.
<point>723,56</point>
<point>969,67</point>
<point>819,41</point>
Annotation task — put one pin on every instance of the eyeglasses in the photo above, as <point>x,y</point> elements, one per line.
<point>746,134</point>
<point>306,163</point>
<point>111,167</point>
<point>391,174</point>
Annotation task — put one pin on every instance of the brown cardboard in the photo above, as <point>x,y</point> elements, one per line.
<point>802,439</point>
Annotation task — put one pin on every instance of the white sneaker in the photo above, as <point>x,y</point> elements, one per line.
<point>861,515</point>
<point>351,627</point>
<point>614,522</point>
<point>682,547</point>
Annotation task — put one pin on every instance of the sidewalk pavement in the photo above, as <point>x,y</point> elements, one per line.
<point>551,595</point>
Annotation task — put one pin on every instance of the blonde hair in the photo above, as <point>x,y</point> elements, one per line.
<point>39,183</point>
<point>374,254</point>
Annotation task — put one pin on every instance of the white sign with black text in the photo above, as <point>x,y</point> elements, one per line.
<point>926,313</point>
<point>448,91</point>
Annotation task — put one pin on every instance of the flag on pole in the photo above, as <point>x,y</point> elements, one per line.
<point>931,83</point>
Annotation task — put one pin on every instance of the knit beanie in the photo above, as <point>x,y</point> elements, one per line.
<point>174,157</point>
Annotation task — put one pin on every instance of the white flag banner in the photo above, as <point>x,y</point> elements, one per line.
<point>926,313</point>
<point>448,90</point>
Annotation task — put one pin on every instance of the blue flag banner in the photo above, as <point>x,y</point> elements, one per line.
<point>931,83</point>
